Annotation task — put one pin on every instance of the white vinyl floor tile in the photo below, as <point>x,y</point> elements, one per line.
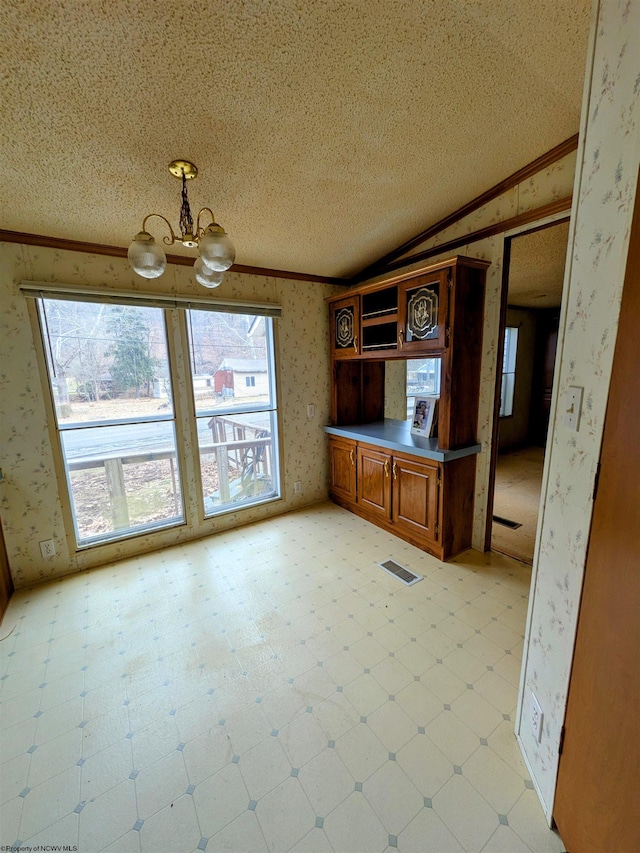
<point>270,689</point>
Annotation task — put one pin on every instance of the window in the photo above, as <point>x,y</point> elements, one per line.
<point>423,377</point>
<point>508,371</point>
<point>109,374</point>
<point>236,417</point>
<point>119,420</point>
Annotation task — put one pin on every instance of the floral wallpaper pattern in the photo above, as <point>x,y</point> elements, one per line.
<point>395,390</point>
<point>30,502</point>
<point>606,185</point>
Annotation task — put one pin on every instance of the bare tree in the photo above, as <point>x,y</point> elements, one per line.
<point>70,327</point>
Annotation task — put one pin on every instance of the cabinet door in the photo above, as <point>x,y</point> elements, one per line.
<point>416,497</point>
<point>342,468</point>
<point>345,327</point>
<point>374,481</point>
<point>422,313</point>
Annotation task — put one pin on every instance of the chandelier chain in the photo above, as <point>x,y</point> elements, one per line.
<point>186,220</point>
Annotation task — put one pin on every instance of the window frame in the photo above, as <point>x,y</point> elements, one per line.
<point>58,430</point>
<point>194,522</point>
<point>271,407</point>
<point>508,373</point>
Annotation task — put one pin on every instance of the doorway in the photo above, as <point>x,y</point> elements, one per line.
<point>532,293</point>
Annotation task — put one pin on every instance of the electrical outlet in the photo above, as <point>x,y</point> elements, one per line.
<point>573,407</point>
<point>48,548</point>
<point>311,410</point>
<point>537,718</point>
<point>297,487</point>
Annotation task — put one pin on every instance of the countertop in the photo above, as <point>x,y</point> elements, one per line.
<point>396,435</point>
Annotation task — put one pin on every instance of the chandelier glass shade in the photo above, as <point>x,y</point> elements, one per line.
<point>146,257</point>
<point>205,276</point>
<point>216,251</point>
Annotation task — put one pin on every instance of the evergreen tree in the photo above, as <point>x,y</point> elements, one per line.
<point>133,366</point>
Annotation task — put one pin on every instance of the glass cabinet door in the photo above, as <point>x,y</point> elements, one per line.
<point>345,327</point>
<point>423,318</point>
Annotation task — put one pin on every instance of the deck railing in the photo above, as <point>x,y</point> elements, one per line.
<point>253,455</point>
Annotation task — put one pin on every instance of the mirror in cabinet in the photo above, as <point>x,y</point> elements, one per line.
<point>407,378</point>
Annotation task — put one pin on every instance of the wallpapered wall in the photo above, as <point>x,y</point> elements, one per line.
<point>29,494</point>
<point>605,189</point>
<point>395,390</point>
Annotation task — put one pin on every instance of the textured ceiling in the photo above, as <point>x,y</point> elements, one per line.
<point>536,270</point>
<point>326,132</point>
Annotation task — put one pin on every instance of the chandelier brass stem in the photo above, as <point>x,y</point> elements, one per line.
<point>165,240</point>
<point>199,228</point>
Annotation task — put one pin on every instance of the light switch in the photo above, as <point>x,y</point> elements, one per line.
<point>573,407</point>
<point>311,410</point>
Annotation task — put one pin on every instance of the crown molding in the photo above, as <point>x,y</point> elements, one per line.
<point>563,205</point>
<point>384,263</point>
<point>180,260</point>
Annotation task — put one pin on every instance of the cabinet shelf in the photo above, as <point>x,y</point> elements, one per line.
<point>380,336</point>
<point>379,319</point>
<point>375,347</point>
<point>380,303</point>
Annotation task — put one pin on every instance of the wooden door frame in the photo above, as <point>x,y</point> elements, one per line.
<point>6,581</point>
<point>504,304</point>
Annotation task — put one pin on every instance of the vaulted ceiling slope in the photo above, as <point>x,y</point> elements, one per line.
<point>536,270</point>
<point>326,133</point>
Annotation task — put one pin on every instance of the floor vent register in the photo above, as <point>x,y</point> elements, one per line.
<point>514,525</point>
<point>408,578</point>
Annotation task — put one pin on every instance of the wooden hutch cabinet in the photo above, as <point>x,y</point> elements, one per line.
<point>421,489</point>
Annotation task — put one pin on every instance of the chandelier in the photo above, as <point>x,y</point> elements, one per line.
<point>216,252</point>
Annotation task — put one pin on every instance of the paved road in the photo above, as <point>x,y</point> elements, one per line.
<point>96,442</point>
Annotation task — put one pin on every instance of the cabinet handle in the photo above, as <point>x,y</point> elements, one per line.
<point>386,467</point>
<point>355,343</point>
<point>395,471</point>
<point>351,456</point>
<point>401,337</point>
